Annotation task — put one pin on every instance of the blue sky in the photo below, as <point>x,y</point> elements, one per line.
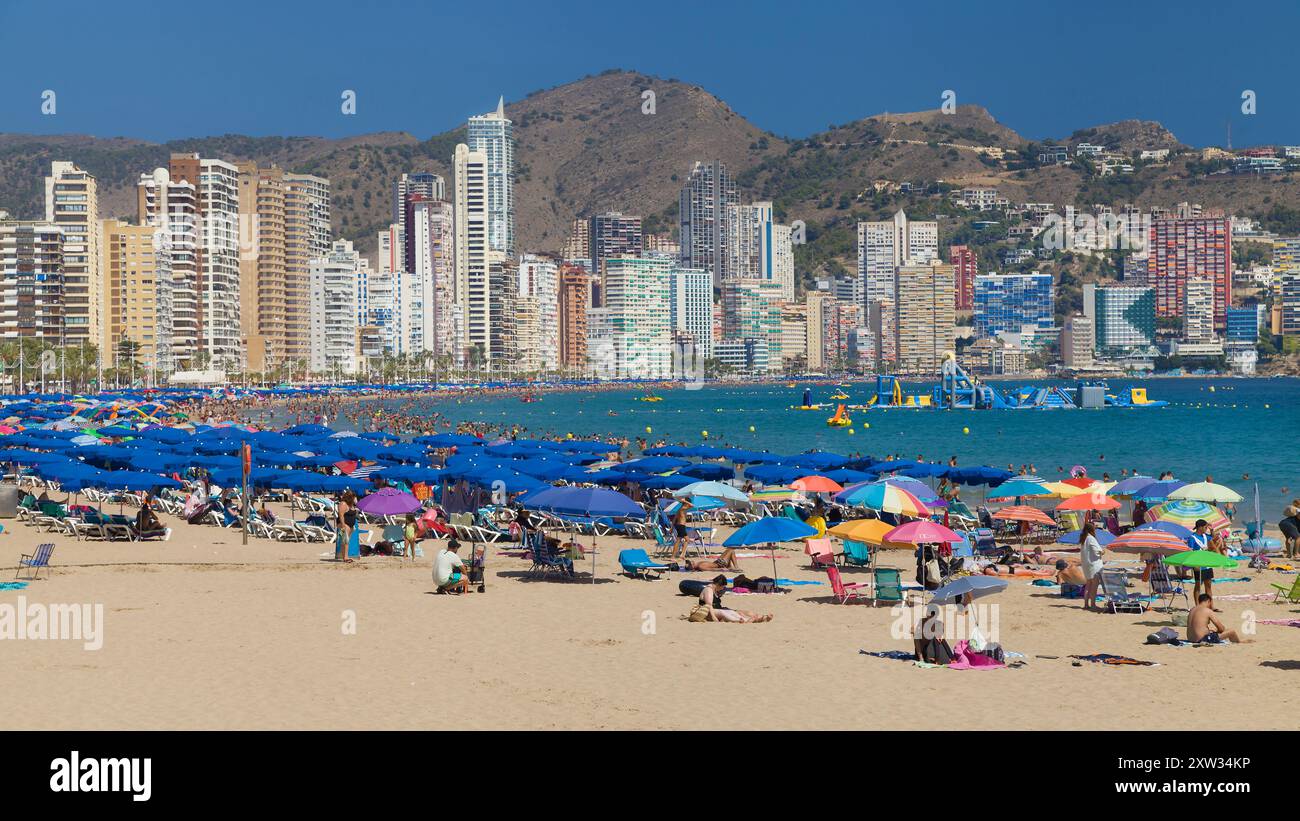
<point>167,70</point>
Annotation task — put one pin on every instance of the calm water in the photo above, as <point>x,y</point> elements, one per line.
<point>1242,426</point>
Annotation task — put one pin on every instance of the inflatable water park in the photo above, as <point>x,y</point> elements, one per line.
<point>958,390</point>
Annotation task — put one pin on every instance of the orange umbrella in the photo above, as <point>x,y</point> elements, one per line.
<point>817,484</point>
<point>1078,481</point>
<point>1089,501</point>
<point>1024,513</point>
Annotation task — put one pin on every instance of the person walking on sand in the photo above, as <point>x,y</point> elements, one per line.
<point>1203,539</point>
<point>345,518</point>
<point>1090,563</point>
<point>680,533</point>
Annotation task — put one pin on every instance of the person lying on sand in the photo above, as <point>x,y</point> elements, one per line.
<point>725,561</point>
<point>1204,626</point>
<point>711,600</point>
<point>1067,573</point>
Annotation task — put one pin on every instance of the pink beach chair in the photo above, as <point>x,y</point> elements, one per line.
<point>843,591</point>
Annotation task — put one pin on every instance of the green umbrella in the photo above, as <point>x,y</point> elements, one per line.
<point>1201,558</point>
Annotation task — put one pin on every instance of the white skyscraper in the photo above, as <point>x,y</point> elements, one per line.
<point>427,299</point>
<point>692,308</point>
<point>702,218</point>
<point>471,254</point>
<point>340,292</point>
<point>539,281</point>
<point>493,135</point>
<point>884,247</point>
<point>171,208</point>
<point>72,202</point>
<point>757,248</point>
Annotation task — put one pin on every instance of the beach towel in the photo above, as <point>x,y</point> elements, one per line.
<point>1115,661</point>
<point>1285,622</point>
<point>1245,597</point>
<point>897,655</point>
<point>12,585</point>
<point>968,659</point>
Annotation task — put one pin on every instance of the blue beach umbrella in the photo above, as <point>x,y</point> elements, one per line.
<point>1157,491</point>
<point>585,501</point>
<point>1104,537</point>
<point>769,530</point>
<point>709,471</point>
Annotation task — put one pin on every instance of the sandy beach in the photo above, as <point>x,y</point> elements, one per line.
<point>203,633</point>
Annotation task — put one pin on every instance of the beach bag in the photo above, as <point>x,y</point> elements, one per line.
<point>698,613</point>
<point>1165,635</point>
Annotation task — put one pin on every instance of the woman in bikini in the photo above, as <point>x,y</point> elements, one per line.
<point>725,561</point>
<point>711,599</point>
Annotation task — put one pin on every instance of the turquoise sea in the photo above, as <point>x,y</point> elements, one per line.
<point>1222,427</point>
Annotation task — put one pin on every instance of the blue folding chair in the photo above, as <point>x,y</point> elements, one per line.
<point>33,562</point>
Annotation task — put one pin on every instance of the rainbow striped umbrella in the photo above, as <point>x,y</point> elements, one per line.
<point>1024,513</point>
<point>885,497</point>
<point>1186,512</point>
<point>1157,542</point>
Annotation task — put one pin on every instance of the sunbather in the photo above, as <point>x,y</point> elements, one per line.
<point>1204,626</point>
<point>725,561</point>
<point>711,601</point>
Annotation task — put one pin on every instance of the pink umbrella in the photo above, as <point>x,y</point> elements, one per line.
<point>389,501</point>
<point>922,531</point>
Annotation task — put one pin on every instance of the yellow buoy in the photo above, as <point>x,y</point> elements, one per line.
<point>751,428</point>
<point>648,430</point>
<point>966,431</point>
<point>704,433</point>
<point>851,431</point>
<point>866,424</point>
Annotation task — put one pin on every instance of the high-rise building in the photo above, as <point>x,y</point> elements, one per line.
<point>306,237</point>
<point>492,135</point>
<point>31,280</point>
<point>702,218</point>
<point>794,335</point>
<point>883,247</point>
<point>638,299</point>
<point>574,301</point>
<point>170,207</point>
<point>751,310</point>
<point>503,293</point>
<point>964,264</point>
<point>1243,323</point>
<point>578,243</point>
<point>340,292</point>
<point>471,253</point>
<point>692,310</point>
<point>1198,309</point>
<point>386,289</point>
<point>216,186</point>
<point>1123,318</point>
<point>262,267</point>
<point>611,235</point>
<point>1077,342</point>
<point>1181,249</point>
<point>138,291</point>
<point>1009,302</point>
<point>431,186</point>
<point>427,299</point>
<point>72,203</point>
<point>816,302</point>
<point>758,248</point>
<point>539,281</point>
<point>926,315</point>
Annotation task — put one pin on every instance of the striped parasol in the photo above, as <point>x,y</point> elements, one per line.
<point>1024,513</point>
<point>886,497</point>
<point>1186,512</point>
<point>1157,542</point>
<point>1066,490</point>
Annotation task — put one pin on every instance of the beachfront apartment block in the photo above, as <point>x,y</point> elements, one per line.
<point>340,292</point>
<point>216,187</point>
<point>170,208</point>
<point>638,302</point>
<point>965,268</point>
<point>306,237</point>
<point>1010,302</point>
<point>1183,248</point>
<point>31,288</point>
<point>263,307</point>
<point>702,218</point>
<point>751,310</point>
<point>72,203</point>
<point>926,316</point>
<point>539,281</point>
<point>471,252</point>
<point>1077,342</point>
<point>574,301</point>
<point>427,297</point>
<point>691,300</point>
<point>1123,319</point>
<point>758,249</point>
<point>138,296</point>
<point>612,234</point>
<point>883,247</point>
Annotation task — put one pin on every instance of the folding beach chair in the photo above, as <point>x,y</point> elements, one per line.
<point>857,554</point>
<point>638,565</point>
<point>1162,585</point>
<point>821,552</point>
<point>1288,594</point>
<point>844,592</point>
<point>33,562</point>
<point>1115,595</point>
<point>889,585</point>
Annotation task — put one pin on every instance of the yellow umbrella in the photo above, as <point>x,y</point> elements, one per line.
<point>1065,490</point>
<point>866,531</point>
